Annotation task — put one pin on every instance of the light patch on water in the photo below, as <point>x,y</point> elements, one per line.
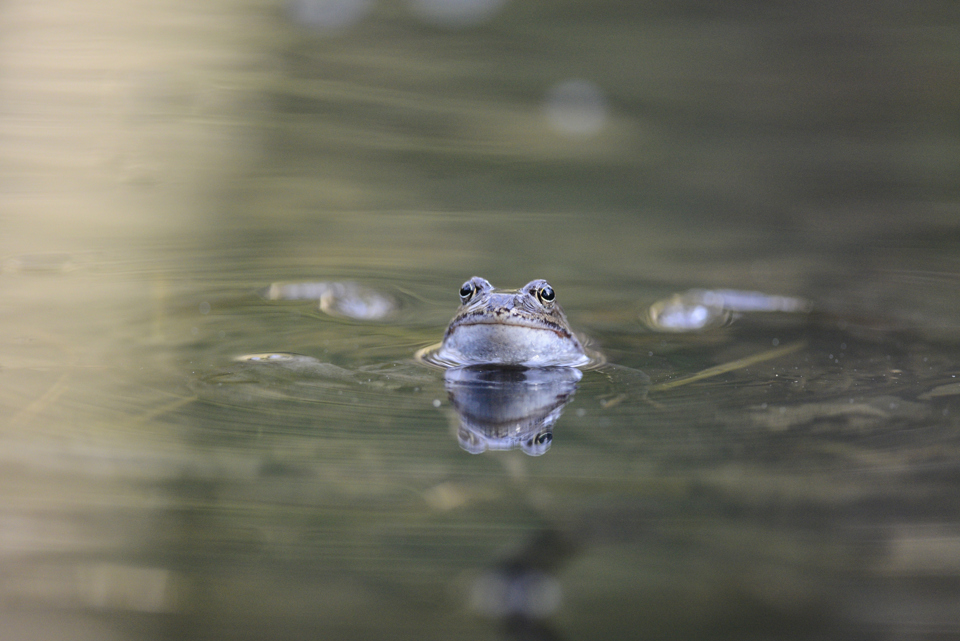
<point>52,262</point>
<point>457,13</point>
<point>530,595</point>
<point>111,586</point>
<point>576,108</point>
<point>98,586</point>
<point>328,14</point>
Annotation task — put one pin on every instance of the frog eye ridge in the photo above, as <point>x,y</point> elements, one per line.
<point>474,287</point>
<point>467,291</point>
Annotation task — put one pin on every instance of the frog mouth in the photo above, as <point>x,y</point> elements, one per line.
<point>531,325</point>
<point>511,318</point>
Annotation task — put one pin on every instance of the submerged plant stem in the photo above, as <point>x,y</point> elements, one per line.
<point>740,363</point>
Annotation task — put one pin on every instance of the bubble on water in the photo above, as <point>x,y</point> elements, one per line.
<point>327,14</point>
<point>576,108</point>
<point>456,13</point>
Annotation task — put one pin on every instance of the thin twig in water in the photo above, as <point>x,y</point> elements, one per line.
<point>740,363</point>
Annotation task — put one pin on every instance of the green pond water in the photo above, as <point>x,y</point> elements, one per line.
<point>228,228</point>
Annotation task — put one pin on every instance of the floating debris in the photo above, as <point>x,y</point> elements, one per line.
<point>343,299</point>
<point>698,309</point>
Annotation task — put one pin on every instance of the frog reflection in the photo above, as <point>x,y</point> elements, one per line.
<point>504,408</point>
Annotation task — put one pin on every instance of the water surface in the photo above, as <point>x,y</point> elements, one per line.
<point>186,455</point>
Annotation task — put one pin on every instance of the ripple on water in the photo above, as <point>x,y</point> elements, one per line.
<point>436,356</point>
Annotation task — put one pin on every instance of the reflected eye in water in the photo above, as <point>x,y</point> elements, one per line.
<point>539,444</point>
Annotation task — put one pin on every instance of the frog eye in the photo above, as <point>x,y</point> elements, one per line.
<point>541,439</point>
<point>546,294</point>
<point>467,291</point>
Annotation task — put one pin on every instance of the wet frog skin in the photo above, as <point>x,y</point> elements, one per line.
<point>524,327</point>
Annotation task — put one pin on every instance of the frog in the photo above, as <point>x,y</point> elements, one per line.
<point>512,364</point>
<point>525,327</point>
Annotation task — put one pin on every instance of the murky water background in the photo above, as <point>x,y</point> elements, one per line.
<point>164,163</point>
